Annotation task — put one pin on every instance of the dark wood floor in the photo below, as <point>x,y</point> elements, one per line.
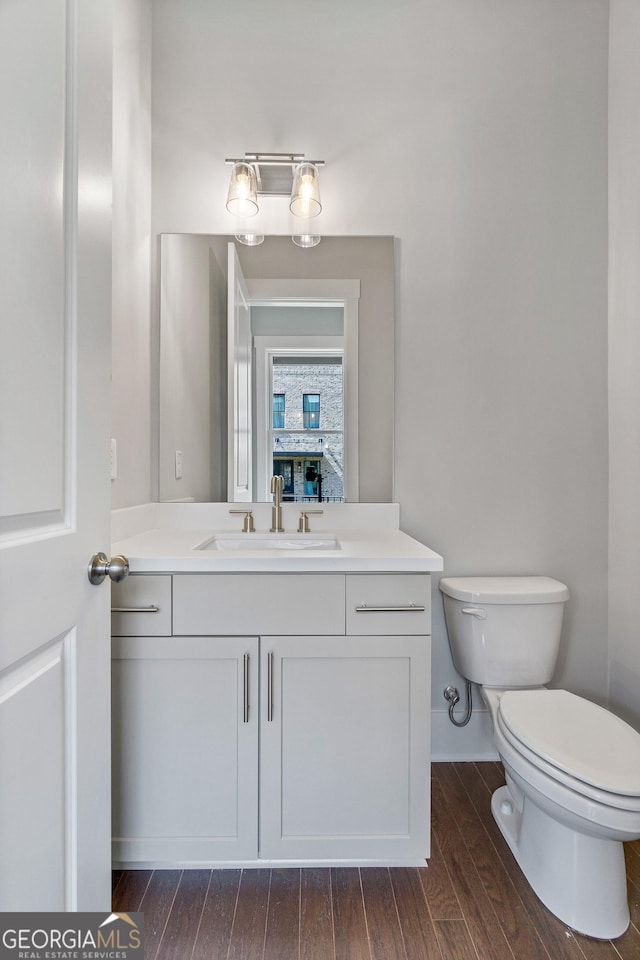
<point>470,903</point>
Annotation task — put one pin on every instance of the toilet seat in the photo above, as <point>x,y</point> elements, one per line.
<point>576,742</point>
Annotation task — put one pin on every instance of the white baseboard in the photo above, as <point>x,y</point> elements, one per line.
<point>473,742</point>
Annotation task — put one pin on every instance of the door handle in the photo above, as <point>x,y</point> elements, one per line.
<point>100,567</point>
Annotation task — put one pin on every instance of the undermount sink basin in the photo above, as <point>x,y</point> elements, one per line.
<point>269,541</point>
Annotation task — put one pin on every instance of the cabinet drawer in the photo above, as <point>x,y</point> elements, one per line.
<point>258,604</point>
<point>141,606</point>
<point>388,604</point>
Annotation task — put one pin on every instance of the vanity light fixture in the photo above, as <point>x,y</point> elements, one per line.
<point>242,198</point>
<point>275,175</point>
<point>305,239</point>
<point>250,239</point>
<point>305,192</point>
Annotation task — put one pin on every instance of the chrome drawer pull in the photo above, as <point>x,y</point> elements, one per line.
<point>403,608</point>
<point>245,713</point>
<point>270,686</point>
<point>150,609</point>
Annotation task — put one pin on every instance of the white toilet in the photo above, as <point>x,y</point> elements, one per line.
<point>572,768</point>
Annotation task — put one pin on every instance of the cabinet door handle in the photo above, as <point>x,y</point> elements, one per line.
<point>401,608</point>
<point>150,609</point>
<point>245,710</point>
<point>270,686</point>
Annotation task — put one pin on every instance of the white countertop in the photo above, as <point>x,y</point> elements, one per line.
<point>165,538</point>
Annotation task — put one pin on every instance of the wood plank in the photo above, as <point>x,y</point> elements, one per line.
<point>509,908</point>
<point>558,939</point>
<point>492,773</point>
<point>417,928</point>
<point>632,863</point>
<point>486,932</point>
<point>633,893</point>
<point>316,915</point>
<point>249,923</point>
<point>179,937</point>
<point>598,949</point>
<point>156,906</point>
<point>454,940</point>
<point>628,946</point>
<point>214,933</point>
<point>350,928</point>
<point>130,890</point>
<point>282,937</point>
<point>436,880</point>
<point>437,887</point>
<point>383,924</point>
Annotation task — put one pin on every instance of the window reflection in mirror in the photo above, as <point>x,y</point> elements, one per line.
<point>194,412</point>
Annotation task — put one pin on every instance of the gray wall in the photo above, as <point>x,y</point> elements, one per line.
<point>476,132</point>
<point>192,368</point>
<point>624,358</point>
<point>131,330</point>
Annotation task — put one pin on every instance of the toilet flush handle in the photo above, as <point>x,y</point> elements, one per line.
<point>475,612</point>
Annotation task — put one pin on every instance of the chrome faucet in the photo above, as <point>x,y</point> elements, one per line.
<point>247,526</point>
<point>276,509</point>
<point>303,523</point>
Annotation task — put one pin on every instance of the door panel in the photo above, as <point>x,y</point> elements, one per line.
<point>344,748</point>
<point>185,749</point>
<point>33,758</point>
<point>55,246</point>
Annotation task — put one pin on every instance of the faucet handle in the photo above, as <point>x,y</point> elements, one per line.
<point>247,526</point>
<point>303,523</point>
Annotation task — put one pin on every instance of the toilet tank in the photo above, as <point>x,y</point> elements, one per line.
<point>504,631</point>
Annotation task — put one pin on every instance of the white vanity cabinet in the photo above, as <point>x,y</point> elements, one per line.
<point>304,738</point>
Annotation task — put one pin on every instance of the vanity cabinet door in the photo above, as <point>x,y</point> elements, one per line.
<point>344,762</point>
<point>185,750</point>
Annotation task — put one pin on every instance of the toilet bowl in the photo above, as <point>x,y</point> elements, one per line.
<point>572,794</point>
<point>566,833</point>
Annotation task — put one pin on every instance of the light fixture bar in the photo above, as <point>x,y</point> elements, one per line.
<point>274,159</point>
<point>274,171</point>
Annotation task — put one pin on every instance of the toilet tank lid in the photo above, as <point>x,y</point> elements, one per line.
<point>505,589</point>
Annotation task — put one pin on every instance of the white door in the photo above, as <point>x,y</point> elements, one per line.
<point>240,381</point>
<point>55,286</point>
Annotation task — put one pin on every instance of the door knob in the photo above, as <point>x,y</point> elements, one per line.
<point>100,567</point>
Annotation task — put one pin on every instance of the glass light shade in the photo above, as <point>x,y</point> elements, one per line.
<point>250,239</point>
<point>305,193</point>
<point>305,240</point>
<point>242,199</point>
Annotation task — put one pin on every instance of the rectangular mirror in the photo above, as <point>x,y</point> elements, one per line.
<point>276,359</point>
